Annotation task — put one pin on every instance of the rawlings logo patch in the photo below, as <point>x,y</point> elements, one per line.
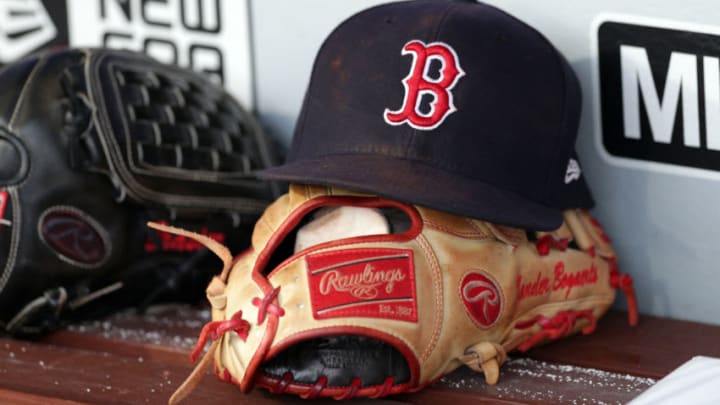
<point>374,283</point>
<point>482,298</point>
<point>363,286</point>
<point>418,84</point>
<point>74,236</point>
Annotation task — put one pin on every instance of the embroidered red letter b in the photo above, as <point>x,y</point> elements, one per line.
<point>418,83</point>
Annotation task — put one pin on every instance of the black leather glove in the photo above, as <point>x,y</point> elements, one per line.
<point>94,143</point>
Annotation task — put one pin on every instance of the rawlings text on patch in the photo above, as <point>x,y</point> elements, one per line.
<point>418,84</point>
<point>560,280</point>
<point>482,298</point>
<point>372,283</point>
<point>167,242</point>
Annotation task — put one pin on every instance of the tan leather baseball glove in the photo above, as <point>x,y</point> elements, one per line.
<point>393,308</point>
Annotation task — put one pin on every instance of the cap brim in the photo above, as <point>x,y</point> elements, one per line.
<point>420,184</point>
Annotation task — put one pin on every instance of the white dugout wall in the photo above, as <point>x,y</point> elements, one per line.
<point>663,218</point>
<point>649,136</point>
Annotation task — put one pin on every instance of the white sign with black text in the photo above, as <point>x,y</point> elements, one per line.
<point>210,36</point>
<point>658,94</point>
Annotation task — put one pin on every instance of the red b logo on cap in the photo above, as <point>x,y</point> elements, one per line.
<point>419,83</point>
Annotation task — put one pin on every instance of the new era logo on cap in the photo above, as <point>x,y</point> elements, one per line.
<point>480,121</point>
<point>573,171</point>
<point>418,83</point>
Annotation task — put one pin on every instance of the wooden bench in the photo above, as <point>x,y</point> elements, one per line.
<point>133,359</point>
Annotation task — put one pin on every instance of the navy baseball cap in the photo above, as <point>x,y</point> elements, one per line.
<point>450,104</point>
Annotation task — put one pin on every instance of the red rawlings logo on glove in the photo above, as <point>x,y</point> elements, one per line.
<point>482,298</point>
<point>366,285</point>
<point>74,236</point>
<point>375,283</point>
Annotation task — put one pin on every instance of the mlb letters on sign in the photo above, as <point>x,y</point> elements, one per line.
<point>660,94</point>
<point>419,83</point>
